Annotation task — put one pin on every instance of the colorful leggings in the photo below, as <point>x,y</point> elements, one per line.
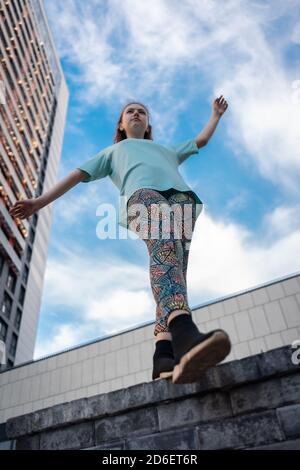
<point>168,256</point>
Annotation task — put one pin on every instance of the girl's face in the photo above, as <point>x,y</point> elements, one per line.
<point>134,121</point>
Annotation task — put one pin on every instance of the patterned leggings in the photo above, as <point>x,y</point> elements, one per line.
<point>168,252</point>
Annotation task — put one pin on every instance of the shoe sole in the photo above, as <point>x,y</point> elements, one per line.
<point>206,354</point>
<point>165,375</point>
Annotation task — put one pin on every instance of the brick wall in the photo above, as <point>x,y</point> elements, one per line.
<point>252,403</point>
<point>258,320</point>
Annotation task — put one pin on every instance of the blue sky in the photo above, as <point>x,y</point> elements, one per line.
<point>176,57</point>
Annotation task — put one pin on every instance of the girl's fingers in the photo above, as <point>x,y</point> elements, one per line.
<point>220,101</point>
<point>15,208</point>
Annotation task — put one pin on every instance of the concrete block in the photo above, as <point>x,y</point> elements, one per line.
<point>260,296</point>
<point>291,286</point>
<point>211,325</point>
<point>113,445</point>
<point>290,311</point>
<point>103,347</point>
<point>134,361</point>
<point>93,350</point>
<point>241,432</point>
<point>183,439</point>
<point>257,346</point>
<point>28,443</point>
<point>110,366</point>
<point>65,383</point>
<point>216,310</point>
<point>138,335</point>
<point>288,336</point>
<point>115,343</point>
<point>116,384</point>
<point>245,301</point>
<point>265,395</point>
<point>133,423</point>
<point>227,324</point>
<point>289,417</point>
<point>259,321</point>
<point>194,410</point>
<point>275,291</point>
<point>231,306</point>
<point>285,445</point>
<point>273,341</point>
<point>241,350</point>
<point>122,367</point>
<point>201,315</point>
<point>98,369</point>
<point>275,317</point>
<point>275,362</point>
<point>87,372</point>
<point>44,386</point>
<point>243,326</point>
<point>126,339</point>
<point>83,353</point>
<point>72,437</point>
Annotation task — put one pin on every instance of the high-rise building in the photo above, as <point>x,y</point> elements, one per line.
<point>33,105</point>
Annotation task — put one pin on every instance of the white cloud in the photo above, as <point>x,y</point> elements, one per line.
<point>76,277</point>
<point>120,55</point>
<point>295,37</point>
<point>226,258</point>
<point>64,336</point>
<point>265,122</point>
<point>106,294</point>
<point>77,204</point>
<point>237,203</point>
<point>120,309</point>
<point>282,221</point>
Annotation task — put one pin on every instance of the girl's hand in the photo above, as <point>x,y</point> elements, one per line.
<point>219,106</point>
<point>24,209</point>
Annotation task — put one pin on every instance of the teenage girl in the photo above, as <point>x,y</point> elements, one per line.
<point>146,173</point>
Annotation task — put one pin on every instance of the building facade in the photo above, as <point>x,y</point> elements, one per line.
<point>33,105</point>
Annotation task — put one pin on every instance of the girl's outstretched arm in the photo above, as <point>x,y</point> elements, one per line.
<point>219,107</point>
<point>26,207</point>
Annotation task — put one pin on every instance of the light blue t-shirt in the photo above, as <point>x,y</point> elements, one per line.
<point>135,163</point>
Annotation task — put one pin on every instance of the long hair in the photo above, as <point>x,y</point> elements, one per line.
<point>121,135</point>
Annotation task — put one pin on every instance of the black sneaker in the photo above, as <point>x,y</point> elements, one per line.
<point>211,348</point>
<point>163,360</point>
<point>163,368</point>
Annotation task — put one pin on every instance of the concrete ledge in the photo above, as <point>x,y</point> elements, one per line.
<point>241,404</point>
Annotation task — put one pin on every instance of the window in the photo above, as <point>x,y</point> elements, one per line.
<point>13,345</point>
<point>25,274</point>
<point>18,318</point>
<point>40,189</point>
<point>6,305</point>
<point>28,254</point>
<point>31,235</point>
<point>3,330</point>
<point>11,281</point>
<point>22,295</point>
<point>1,263</point>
